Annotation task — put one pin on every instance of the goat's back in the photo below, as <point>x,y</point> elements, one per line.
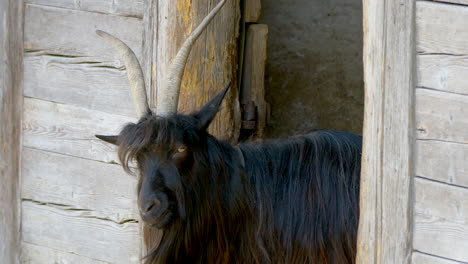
<point>306,196</point>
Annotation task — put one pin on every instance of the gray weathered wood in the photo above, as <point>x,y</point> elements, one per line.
<point>132,8</point>
<point>77,232</point>
<point>441,116</point>
<point>86,82</point>
<point>442,161</point>
<point>421,258</point>
<point>443,72</point>
<point>66,32</point>
<point>253,10</point>
<point>70,130</point>
<point>97,188</point>
<point>440,220</point>
<point>11,58</point>
<point>460,2</point>
<point>40,254</point>
<point>253,80</point>
<point>385,203</point>
<point>441,28</point>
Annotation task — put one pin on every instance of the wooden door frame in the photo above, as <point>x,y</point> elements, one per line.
<point>385,227</point>
<point>11,98</point>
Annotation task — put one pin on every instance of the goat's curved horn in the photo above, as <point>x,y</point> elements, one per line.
<point>168,95</point>
<point>134,72</point>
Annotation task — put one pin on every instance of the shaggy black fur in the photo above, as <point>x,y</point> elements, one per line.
<point>293,200</point>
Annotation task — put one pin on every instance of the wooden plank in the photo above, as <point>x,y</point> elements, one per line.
<point>458,2</point>
<point>212,62</point>
<point>441,116</point>
<point>384,234</point>
<point>432,33</point>
<point>66,32</point>
<point>443,72</point>
<point>421,258</point>
<point>253,10</point>
<point>440,219</point>
<point>253,81</point>
<point>80,234</point>
<point>79,184</point>
<point>442,161</point>
<point>85,82</point>
<point>11,54</point>
<point>38,254</point>
<point>131,8</point>
<point>70,130</point>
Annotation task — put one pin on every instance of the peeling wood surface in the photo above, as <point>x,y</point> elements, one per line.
<point>11,60</point>
<point>82,185</point>
<point>441,116</point>
<point>253,80</point>
<point>441,28</point>
<point>421,258</point>
<point>385,230</point>
<point>131,8</point>
<point>65,32</point>
<point>442,161</point>
<point>70,130</point>
<point>253,10</point>
<point>78,233</point>
<point>441,217</point>
<point>443,72</point>
<point>84,81</point>
<point>212,62</point>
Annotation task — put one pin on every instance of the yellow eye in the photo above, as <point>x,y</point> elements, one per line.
<point>182,149</point>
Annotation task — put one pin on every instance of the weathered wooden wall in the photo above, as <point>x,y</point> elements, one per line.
<point>78,206</point>
<point>387,158</point>
<point>11,59</point>
<point>441,182</point>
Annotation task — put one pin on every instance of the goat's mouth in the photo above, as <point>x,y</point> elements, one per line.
<point>159,221</point>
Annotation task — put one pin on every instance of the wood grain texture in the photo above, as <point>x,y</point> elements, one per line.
<point>11,54</point>
<point>458,2</point>
<point>39,254</point>
<point>385,230</point>
<point>253,10</point>
<point>253,80</point>
<point>443,72</point>
<point>211,64</point>
<point>79,184</point>
<point>131,8</point>
<point>440,220</point>
<point>79,233</point>
<point>441,116</point>
<point>70,130</point>
<point>441,28</point>
<point>66,32</point>
<point>442,161</point>
<point>84,81</point>
<point>421,258</point>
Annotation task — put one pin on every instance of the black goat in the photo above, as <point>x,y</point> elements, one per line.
<point>294,200</point>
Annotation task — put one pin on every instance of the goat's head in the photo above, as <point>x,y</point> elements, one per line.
<point>165,145</point>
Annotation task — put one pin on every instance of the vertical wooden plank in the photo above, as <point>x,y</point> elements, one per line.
<point>253,10</point>
<point>212,62</point>
<point>253,81</point>
<point>385,202</point>
<point>11,54</point>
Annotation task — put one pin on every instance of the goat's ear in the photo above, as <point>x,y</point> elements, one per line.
<point>207,113</point>
<point>109,139</point>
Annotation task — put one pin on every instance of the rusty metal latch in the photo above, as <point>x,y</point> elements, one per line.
<point>249,115</point>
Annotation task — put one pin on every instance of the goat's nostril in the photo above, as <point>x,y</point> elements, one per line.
<point>150,205</point>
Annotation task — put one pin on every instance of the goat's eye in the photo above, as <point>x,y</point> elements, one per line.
<point>182,149</point>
